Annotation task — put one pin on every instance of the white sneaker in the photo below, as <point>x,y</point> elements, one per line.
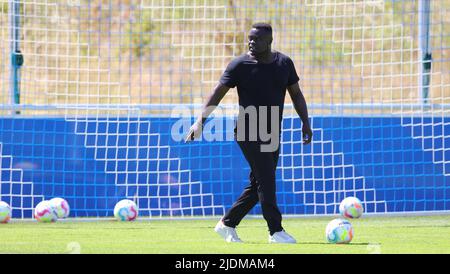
<point>228,233</point>
<point>281,237</point>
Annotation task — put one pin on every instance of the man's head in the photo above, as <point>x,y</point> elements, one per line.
<point>260,38</point>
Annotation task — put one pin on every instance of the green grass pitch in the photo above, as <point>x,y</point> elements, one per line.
<point>428,234</point>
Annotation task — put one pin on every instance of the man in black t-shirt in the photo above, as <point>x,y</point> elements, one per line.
<point>261,77</point>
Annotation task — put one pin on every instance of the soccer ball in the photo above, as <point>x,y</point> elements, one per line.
<point>339,231</point>
<point>5,213</point>
<point>351,207</point>
<point>44,212</point>
<point>61,207</point>
<point>126,210</point>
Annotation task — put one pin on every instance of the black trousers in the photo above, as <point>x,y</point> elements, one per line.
<point>262,188</point>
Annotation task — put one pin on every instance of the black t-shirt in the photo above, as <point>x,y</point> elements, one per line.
<point>261,84</point>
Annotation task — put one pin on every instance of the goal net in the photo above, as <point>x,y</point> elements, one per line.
<point>89,116</point>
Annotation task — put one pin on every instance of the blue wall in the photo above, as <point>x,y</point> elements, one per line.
<point>58,162</point>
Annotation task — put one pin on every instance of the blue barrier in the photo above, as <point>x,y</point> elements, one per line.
<point>95,164</point>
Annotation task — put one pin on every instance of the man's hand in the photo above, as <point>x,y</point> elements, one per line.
<point>307,134</point>
<point>194,132</point>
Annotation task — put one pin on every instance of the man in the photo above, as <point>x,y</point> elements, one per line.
<point>261,77</point>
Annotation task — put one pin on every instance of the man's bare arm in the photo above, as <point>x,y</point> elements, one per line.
<point>211,103</point>
<point>299,102</point>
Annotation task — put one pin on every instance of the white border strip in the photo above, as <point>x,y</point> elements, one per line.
<point>217,217</point>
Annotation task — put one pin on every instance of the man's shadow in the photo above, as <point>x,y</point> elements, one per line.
<point>317,243</point>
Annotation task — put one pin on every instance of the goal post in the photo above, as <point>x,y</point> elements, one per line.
<point>16,56</point>
<point>424,49</point>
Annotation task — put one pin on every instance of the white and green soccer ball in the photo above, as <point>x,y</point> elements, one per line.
<point>126,210</point>
<point>5,212</point>
<point>339,231</point>
<point>61,207</point>
<point>44,212</point>
<point>351,207</point>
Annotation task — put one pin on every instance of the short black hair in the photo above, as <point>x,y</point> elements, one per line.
<point>264,26</point>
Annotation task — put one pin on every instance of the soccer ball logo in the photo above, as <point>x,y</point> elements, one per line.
<point>126,210</point>
<point>339,231</point>
<point>351,207</point>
